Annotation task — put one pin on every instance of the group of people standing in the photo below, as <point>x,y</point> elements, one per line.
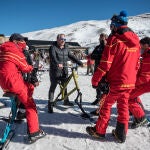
<point>18,76</point>
<point>116,63</point>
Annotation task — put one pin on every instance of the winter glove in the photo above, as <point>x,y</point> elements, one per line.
<point>33,77</point>
<point>97,76</point>
<point>36,84</point>
<point>94,87</point>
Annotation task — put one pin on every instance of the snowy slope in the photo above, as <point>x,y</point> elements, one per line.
<point>87,32</point>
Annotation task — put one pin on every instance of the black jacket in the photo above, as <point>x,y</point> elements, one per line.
<point>30,77</point>
<point>60,56</point>
<point>97,54</point>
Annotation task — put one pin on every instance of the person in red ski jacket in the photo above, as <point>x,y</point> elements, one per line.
<point>142,86</point>
<point>90,64</point>
<point>119,63</point>
<point>12,65</point>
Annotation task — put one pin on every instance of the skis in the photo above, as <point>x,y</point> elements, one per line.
<point>83,117</point>
<point>7,119</point>
<point>148,124</point>
<point>62,107</point>
<point>8,131</point>
<point>4,145</point>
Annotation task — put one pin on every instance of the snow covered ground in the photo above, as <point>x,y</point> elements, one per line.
<point>66,131</point>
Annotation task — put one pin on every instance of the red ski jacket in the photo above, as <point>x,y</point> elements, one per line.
<point>120,60</point>
<point>143,75</point>
<point>89,60</point>
<point>12,63</point>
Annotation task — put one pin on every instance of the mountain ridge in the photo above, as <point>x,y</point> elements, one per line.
<point>86,33</point>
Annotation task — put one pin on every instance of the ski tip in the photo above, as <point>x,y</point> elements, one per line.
<point>85,115</point>
<point>6,119</point>
<point>5,144</point>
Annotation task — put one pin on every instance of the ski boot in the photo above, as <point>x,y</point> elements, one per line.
<point>92,131</point>
<point>33,137</point>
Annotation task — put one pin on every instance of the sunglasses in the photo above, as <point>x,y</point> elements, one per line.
<point>111,26</point>
<point>62,39</point>
<point>21,41</point>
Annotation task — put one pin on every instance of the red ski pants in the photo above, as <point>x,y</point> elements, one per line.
<point>135,104</point>
<point>24,91</point>
<point>25,97</point>
<point>121,97</point>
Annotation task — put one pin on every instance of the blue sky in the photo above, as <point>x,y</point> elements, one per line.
<point>23,16</point>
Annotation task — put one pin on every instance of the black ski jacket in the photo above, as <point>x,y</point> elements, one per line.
<point>97,54</point>
<point>30,77</point>
<point>60,56</point>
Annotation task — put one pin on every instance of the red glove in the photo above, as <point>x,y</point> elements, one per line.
<point>94,83</point>
<point>97,76</point>
<point>94,87</point>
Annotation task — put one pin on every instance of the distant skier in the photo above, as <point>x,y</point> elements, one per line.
<point>90,64</point>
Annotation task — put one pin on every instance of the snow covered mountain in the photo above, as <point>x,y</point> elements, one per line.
<point>87,32</point>
<point>65,129</point>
